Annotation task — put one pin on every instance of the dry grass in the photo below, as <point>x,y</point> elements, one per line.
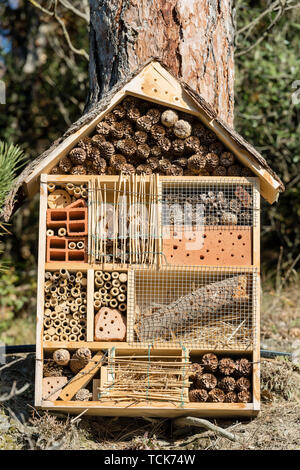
<point>277,427</point>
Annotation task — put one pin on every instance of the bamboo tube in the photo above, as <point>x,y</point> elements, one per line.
<point>75,315</point>
<point>97,295</point>
<point>113,303</point>
<point>78,301</point>
<point>50,331</point>
<point>47,304</point>
<point>58,330</point>
<point>97,304</point>
<point>77,192</point>
<point>123,277</point>
<point>99,282</point>
<point>51,187</point>
<point>62,232</point>
<point>75,330</point>
<point>64,337</point>
<point>70,188</point>
<point>107,285</point>
<point>123,288</point>
<point>83,282</point>
<point>82,309</point>
<point>53,315</point>
<point>121,297</point>
<point>67,330</point>
<point>102,291</point>
<point>114,291</point>
<point>50,232</point>
<point>115,283</point>
<point>48,284</point>
<point>63,283</point>
<point>106,276</point>
<point>73,308</point>
<point>122,307</point>
<point>48,275</point>
<point>98,274</point>
<point>65,323</point>
<point>82,337</point>
<point>75,292</point>
<point>47,312</point>
<point>107,297</point>
<point>72,245</point>
<point>64,273</point>
<point>48,322</point>
<point>72,338</point>
<point>73,322</point>
<point>84,193</point>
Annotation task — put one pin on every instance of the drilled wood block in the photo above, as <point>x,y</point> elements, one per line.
<point>51,387</point>
<point>212,246</point>
<point>110,325</point>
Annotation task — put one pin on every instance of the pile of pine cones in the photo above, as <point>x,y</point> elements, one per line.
<point>221,380</point>
<point>140,137</point>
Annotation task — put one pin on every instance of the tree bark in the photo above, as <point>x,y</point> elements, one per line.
<point>194,38</point>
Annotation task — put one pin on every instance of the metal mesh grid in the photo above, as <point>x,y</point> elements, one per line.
<point>196,307</point>
<point>210,203</point>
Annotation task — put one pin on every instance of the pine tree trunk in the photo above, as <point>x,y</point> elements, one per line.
<point>193,38</point>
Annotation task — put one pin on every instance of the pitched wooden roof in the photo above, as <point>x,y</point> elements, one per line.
<point>155,82</point>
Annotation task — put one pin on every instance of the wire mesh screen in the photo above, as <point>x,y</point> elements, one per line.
<point>210,203</point>
<point>195,307</point>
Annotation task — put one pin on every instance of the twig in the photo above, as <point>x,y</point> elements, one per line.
<point>203,423</point>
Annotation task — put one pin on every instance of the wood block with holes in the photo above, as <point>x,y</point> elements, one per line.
<point>110,325</point>
<point>51,387</point>
<point>212,246</point>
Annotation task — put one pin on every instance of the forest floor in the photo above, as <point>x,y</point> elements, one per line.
<point>277,426</point>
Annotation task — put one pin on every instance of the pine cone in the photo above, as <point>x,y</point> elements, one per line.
<point>164,143</point>
<point>230,397</point>
<point>227,384</point>
<point>128,131</point>
<point>183,162</point>
<point>178,146</point>
<point>80,359</point>
<point>235,205</point>
<point>212,161</point>
<point>209,137</point>
<point>55,170</point>
<point>128,169</point>
<point>117,130</point>
<point>163,165</point>
<point>169,118</point>
<point>143,169</point>
<point>143,151</point>
<point>140,137</point>
<point>229,218</point>
<point>98,140</point>
<point>110,170</point>
<point>93,155</point>
<point>51,369</point>
<point>128,147</point>
<point>207,381</point>
<point>99,164</point>
<point>174,170</point>
<point>245,171</point>
<point>227,159</point>
<point>144,123</point>
<point>61,357</point>
<point>103,128</point>
<point>77,156</point>
<point>243,384</point>
<point>133,114</point>
<point>243,367</point>
<point>210,362</point>
<point>110,118</point>
<point>182,129</point>
<point>198,394</point>
<point>85,144</point>
<point>154,115</point>
<point>129,102</point>
<point>227,366</point>
<point>155,151</point>
<point>119,111</point>
<point>106,150</point>
<point>216,147</point>
<point>192,144</point>
<point>216,396</point>
<point>196,162</point>
<point>219,171</point>
<point>195,371</point>
<point>157,131</point>
<point>199,130</point>
<point>65,165</point>
<point>234,170</point>
<point>78,170</point>
<point>153,162</point>
<point>244,397</point>
<point>117,161</point>
<point>83,395</point>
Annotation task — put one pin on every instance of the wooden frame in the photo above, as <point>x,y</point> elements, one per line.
<point>158,409</point>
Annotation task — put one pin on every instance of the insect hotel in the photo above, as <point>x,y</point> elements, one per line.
<point>149,258</point>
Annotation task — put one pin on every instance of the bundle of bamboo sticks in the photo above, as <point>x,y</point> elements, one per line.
<point>65,306</point>
<point>123,220</point>
<point>110,290</point>
<point>138,378</point>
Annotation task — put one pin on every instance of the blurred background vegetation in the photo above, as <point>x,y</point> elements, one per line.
<point>46,86</point>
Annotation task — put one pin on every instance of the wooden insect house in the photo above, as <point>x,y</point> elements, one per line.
<point>149,258</point>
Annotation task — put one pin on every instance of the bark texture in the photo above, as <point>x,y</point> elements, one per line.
<point>194,38</point>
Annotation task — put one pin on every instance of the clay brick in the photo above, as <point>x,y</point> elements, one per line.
<point>56,249</point>
<point>50,386</point>
<point>56,218</point>
<point>77,221</point>
<point>110,325</point>
<point>79,203</point>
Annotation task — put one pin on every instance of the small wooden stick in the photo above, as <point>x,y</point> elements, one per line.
<point>203,423</point>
